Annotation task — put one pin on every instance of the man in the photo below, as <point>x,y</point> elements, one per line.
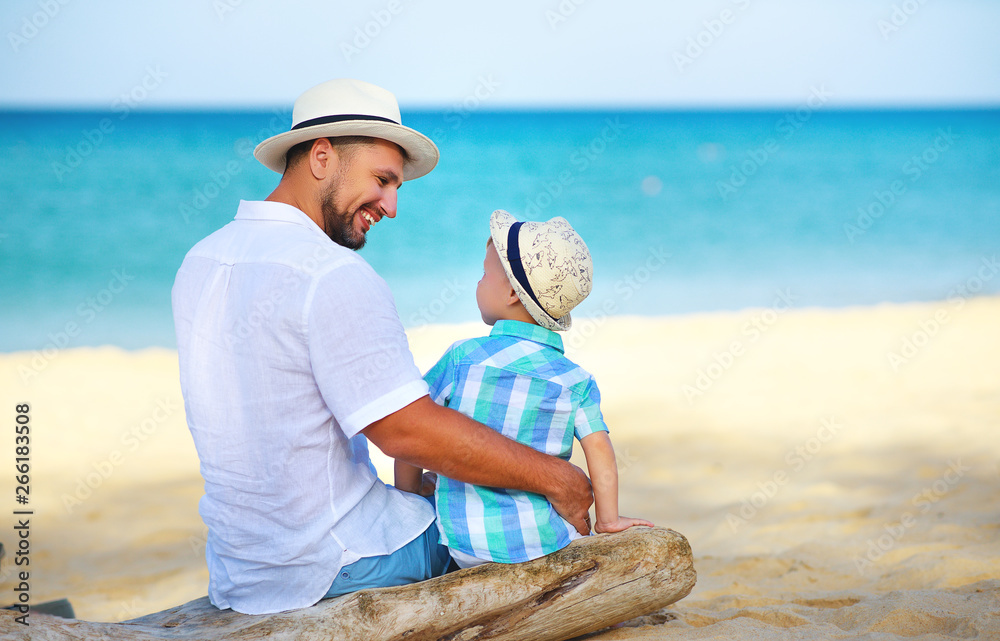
<point>293,357</point>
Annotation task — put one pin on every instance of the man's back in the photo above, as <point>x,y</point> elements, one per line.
<point>269,313</point>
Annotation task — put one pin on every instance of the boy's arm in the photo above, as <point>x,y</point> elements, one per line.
<point>408,477</point>
<point>604,478</point>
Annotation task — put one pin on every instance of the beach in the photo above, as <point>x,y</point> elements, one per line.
<point>836,471</point>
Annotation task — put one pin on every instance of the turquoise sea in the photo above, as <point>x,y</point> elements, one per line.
<point>683,211</point>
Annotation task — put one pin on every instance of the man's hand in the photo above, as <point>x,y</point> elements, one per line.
<point>574,504</point>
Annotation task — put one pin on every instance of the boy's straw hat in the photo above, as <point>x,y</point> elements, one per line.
<point>548,265</point>
<point>345,107</point>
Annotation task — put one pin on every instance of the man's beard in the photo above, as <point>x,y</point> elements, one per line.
<point>340,224</point>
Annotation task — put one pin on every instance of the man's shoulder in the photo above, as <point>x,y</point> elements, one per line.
<point>278,244</point>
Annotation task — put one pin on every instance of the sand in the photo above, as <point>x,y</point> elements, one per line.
<point>837,472</point>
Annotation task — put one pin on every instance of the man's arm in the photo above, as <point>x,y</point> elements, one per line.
<point>437,438</point>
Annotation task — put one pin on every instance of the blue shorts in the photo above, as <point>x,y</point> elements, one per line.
<point>421,559</point>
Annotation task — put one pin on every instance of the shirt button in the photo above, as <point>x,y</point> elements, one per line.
<point>345,575</point>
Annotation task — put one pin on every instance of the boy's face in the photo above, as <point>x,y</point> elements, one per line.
<point>494,290</point>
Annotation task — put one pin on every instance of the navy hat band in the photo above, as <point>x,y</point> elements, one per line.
<point>516,267</point>
<point>325,120</point>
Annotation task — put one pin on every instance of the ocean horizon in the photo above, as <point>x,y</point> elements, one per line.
<point>684,211</point>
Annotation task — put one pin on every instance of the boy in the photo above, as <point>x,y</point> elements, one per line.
<point>518,382</point>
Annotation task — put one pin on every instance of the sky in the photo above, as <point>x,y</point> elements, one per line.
<point>512,54</point>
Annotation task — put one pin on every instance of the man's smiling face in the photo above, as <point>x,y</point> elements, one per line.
<point>362,192</point>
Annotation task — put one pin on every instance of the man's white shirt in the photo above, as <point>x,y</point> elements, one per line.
<point>289,346</point>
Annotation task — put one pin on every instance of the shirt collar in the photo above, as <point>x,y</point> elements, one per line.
<point>528,331</point>
<point>280,212</point>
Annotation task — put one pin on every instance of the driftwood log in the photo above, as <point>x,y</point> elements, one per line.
<point>593,583</point>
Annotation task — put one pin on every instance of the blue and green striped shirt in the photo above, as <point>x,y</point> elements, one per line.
<point>517,381</point>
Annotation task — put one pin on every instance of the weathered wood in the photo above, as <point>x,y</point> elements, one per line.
<point>593,583</point>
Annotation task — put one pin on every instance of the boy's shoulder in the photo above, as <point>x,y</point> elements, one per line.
<point>478,347</point>
<point>520,355</point>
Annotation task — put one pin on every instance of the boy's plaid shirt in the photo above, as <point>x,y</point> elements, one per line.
<point>518,382</point>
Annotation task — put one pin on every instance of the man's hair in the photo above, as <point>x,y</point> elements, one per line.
<point>346,146</point>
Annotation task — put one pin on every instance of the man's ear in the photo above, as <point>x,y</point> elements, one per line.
<point>323,160</point>
<point>513,298</point>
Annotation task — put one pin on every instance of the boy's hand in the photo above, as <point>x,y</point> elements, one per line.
<point>428,482</point>
<point>623,523</point>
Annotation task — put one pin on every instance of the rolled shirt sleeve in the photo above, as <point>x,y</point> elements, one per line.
<point>588,418</point>
<point>440,378</point>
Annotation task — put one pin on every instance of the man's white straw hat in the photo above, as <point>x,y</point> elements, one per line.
<point>345,107</point>
<point>547,264</point>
